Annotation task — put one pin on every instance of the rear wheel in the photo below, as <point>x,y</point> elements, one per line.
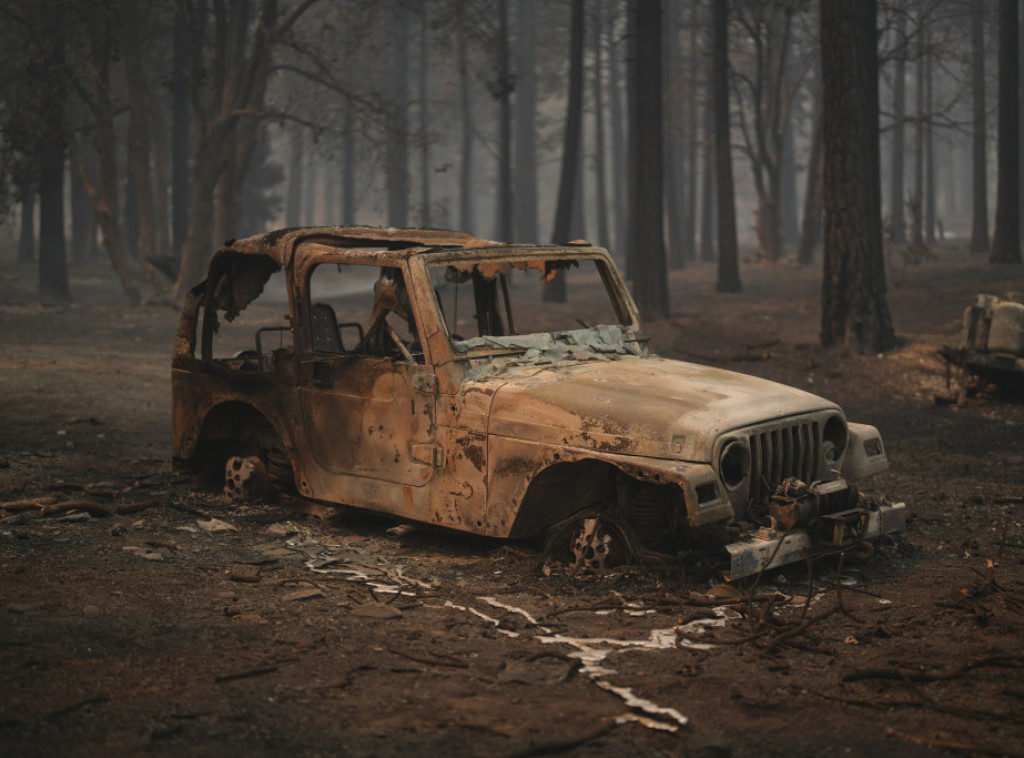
<point>258,467</point>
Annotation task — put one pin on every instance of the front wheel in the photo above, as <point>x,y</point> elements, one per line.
<point>592,541</point>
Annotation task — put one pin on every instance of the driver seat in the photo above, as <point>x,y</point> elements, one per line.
<point>326,335</point>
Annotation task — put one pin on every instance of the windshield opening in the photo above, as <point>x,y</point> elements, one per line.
<point>513,306</point>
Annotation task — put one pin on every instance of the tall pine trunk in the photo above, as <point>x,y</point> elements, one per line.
<point>979,168</point>
<point>692,130</point>
<point>83,223</point>
<point>296,164</point>
<point>348,169</point>
<point>650,276</point>
<point>600,148</point>
<point>810,231</point>
<point>27,231</point>
<point>708,213</point>
<point>502,91</point>
<point>1006,240</point>
<point>466,220</point>
<point>728,245</point>
<point>897,218</point>
<point>53,264</point>
<point>853,304</point>
<point>140,140</point>
<point>525,195</point>
<point>917,203</point>
<point>674,148</point>
<point>620,178</point>
<point>398,129</point>
<point>180,129</point>
<point>929,147</point>
<point>425,200</point>
<point>555,290</point>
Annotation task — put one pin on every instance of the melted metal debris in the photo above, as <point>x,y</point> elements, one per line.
<point>490,356</point>
<point>591,652</point>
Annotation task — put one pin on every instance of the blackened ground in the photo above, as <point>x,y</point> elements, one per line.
<point>179,625</point>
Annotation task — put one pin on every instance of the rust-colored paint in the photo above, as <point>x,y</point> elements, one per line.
<point>448,437</point>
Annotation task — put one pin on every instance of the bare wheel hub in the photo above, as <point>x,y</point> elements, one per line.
<point>245,478</point>
<point>594,546</point>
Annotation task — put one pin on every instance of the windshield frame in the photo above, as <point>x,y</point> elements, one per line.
<point>521,256</point>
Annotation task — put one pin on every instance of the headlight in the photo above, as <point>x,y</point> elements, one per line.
<point>734,463</point>
<point>834,439</point>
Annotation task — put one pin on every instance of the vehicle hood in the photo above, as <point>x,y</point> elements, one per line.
<point>639,406</point>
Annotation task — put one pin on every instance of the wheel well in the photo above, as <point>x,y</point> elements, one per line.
<point>229,427</point>
<point>654,511</point>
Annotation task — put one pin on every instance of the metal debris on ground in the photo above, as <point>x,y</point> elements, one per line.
<point>592,652</point>
<point>214,525</point>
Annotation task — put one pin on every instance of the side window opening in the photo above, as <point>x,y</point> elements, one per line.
<point>246,325</point>
<point>363,310</point>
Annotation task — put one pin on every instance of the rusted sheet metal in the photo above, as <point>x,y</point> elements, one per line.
<point>495,432</point>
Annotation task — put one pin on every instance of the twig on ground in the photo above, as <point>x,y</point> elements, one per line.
<point>979,749</point>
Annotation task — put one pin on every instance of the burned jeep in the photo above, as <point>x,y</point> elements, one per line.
<point>421,374</point>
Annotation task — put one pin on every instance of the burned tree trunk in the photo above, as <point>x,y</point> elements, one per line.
<point>554,291</point>
<point>525,195</point>
<point>140,165</point>
<point>53,263</point>
<point>707,205</point>
<point>619,171</point>
<point>27,232</point>
<point>979,169</point>
<point>293,197</point>
<point>674,146</point>
<point>929,147</point>
<point>853,290</point>
<point>425,199</point>
<point>502,90</point>
<point>650,281</point>
<point>348,169</point>
<point>899,106</point>
<point>600,163</point>
<point>917,203</point>
<point>690,178</point>
<point>466,219</point>
<point>83,225</point>
<point>811,229</point>
<point>180,127</point>
<point>398,141</point>
<point>728,246</point>
<point>1006,240</point>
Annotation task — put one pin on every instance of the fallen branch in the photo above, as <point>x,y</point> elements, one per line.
<point>246,674</point>
<point>75,706</point>
<point>564,746</point>
<point>429,660</point>
<point>89,506</point>
<point>124,510</point>
<point>951,745</point>
<point>1006,661</point>
<point>28,504</point>
<point>953,710</point>
<point>798,630</point>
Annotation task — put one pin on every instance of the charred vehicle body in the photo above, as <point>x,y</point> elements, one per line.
<point>418,373</point>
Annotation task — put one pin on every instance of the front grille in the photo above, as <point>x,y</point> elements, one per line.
<point>779,453</point>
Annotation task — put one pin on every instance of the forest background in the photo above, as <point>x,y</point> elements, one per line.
<point>151,131</point>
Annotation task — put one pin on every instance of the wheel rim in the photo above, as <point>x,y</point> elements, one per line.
<point>596,546</point>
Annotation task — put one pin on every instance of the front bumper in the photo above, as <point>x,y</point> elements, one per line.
<point>771,548</point>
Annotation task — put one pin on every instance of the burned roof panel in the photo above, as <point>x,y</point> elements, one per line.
<point>280,244</point>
